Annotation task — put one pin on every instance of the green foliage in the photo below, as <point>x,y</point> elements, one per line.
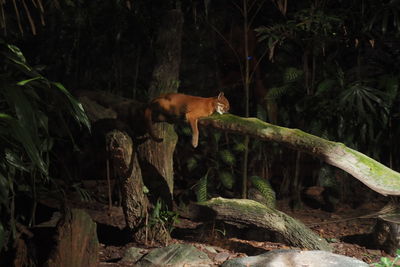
<point>83,193</point>
<point>161,214</point>
<point>292,75</point>
<point>216,136</point>
<point>303,25</point>
<point>213,165</point>
<point>227,157</point>
<point>201,189</point>
<point>384,17</point>
<point>186,130</point>
<point>386,262</point>
<point>362,99</point>
<point>290,79</point>
<point>325,86</point>
<point>227,179</point>
<point>317,21</point>
<point>349,98</point>
<point>277,92</point>
<point>219,158</point>
<point>191,163</point>
<point>265,189</point>
<point>326,177</point>
<point>162,219</point>
<point>31,111</point>
<point>239,147</point>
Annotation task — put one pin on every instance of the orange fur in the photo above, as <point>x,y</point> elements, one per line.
<point>172,107</point>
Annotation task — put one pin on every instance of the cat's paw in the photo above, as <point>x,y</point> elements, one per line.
<point>195,142</point>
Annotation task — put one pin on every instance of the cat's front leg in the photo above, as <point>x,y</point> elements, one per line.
<point>195,131</point>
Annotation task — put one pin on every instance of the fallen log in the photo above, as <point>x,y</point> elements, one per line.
<point>370,172</point>
<point>253,214</point>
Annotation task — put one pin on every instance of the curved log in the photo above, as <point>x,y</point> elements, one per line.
<point>251,213</point>
<point>370,172</point>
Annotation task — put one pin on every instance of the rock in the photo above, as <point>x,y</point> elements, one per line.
<point>175,255</point>
<point>222,256</point>
<point>211,249</point>
<point>295,258</point>
<point>133,254</point>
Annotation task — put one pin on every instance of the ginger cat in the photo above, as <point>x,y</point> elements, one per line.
<point>172,107</point>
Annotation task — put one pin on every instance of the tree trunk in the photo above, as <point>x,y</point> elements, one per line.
<point>121,151</point>
<point>370,172</point>
<point>253,214</point>
<point>158,157</point>
<point>125,165</point>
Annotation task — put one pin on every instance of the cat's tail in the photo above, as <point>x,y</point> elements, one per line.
<point>149,124</point>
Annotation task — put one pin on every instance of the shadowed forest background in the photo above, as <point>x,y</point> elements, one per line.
<point>329,68</point>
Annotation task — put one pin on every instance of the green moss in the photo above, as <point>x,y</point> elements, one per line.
<point>265,189</point>
<point>375,174</point>
<point>243,205</point>
<point>381,174</point>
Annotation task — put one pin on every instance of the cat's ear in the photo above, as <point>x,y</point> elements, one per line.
<point>220,95</point>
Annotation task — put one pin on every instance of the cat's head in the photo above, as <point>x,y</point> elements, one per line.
<point>221,104</point>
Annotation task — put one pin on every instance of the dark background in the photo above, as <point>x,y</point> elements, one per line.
<point>329,68</point>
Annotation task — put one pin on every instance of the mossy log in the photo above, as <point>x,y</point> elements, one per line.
<point>370,172</point>
<point>253,214</point>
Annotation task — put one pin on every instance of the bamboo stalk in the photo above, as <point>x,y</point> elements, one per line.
<point>3,17</point>
<point>18,17</point>
<point>28,14</point>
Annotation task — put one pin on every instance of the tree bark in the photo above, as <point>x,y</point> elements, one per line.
<point>158,157</point>
<point>370,172</point>
<point>386,233</point>
<point>253,214</point>
<point>125,165</point>
<point>77,243</point>
<point>121,151</point>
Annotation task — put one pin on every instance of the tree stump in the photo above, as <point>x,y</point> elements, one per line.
<point>125,165</point>
<point>157,158</point>
<point>77,243</point>
<point>387,233</point>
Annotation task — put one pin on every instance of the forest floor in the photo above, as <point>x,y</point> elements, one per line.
<point>350,237</point>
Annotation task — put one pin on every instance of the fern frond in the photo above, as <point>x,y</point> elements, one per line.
<point>391,85</point>
<point>292,74</point>
<point>265,189</point>
<point>191,164</point>
<point>226,179</point>
<point>217,136</point>
<point>186,130</point>
<point>239,147</point>
<point>277,92</point>
<point>325,86</point>
<point>201,189</point>
<point>227,157</point>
